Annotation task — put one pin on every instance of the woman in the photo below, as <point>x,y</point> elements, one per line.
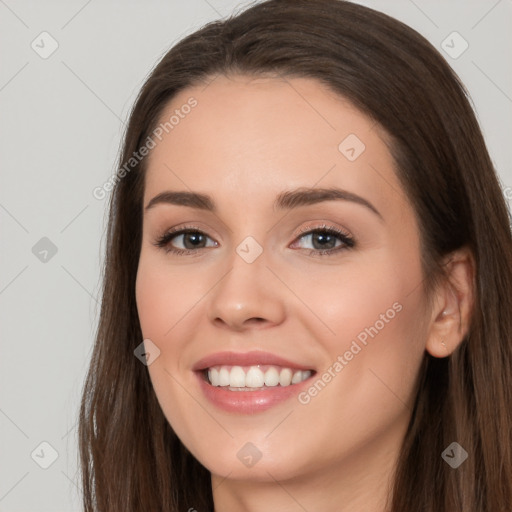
<point>236,368</point>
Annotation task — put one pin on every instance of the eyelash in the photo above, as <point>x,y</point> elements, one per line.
<point>163,242</point>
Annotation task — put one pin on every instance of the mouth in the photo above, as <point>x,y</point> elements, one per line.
<point>258,377</point>
<point>250,382</point>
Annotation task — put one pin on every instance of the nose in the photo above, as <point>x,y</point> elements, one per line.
<point>247,296</point>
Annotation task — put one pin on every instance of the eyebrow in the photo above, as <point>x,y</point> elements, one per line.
<point>286,200</point>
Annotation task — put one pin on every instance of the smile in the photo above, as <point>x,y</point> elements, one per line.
<point>267,379</point>
<point>254,378</point>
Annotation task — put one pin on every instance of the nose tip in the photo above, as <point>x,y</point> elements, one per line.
<point>247,296</point>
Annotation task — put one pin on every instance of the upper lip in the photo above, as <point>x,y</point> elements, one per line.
<point>252,358</point>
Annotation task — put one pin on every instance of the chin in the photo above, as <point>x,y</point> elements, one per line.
<point>243,460</point>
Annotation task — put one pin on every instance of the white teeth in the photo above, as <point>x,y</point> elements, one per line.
<point>255,377</point>
<point>285,377</point>
<point>297,376</point>
<point>237,377</point>
<point>213,375</point>
<point>271,377</point>
<point>223,377</point>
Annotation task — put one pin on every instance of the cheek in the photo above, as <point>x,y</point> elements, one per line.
<point>372,327</point>
<point>374,352</point>
<point>151,300</point>
<point>166,295</point>
<point>360,298</point>
<point>165,303</point>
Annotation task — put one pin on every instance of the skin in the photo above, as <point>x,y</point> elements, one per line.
<point>246,141</point>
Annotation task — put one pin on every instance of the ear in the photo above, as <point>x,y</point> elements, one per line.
<point>453,305</point>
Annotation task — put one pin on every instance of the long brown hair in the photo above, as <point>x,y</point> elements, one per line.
<point>131,459</point>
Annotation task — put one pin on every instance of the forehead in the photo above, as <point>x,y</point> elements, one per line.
<point>260,136</point>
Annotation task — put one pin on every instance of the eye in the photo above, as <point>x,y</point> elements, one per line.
<point>323,238</point>
<point>191,237</point>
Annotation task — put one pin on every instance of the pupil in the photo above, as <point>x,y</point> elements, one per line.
<point>322,237</point>
<point>192,236</point>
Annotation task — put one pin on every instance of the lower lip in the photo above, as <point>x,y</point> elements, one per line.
<point>249,402</point>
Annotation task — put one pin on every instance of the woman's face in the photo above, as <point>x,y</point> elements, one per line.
<point>265,295</point>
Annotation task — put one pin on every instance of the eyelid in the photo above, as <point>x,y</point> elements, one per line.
<point>197,227</point>
<point>318,227</point>
<point>312,226</point>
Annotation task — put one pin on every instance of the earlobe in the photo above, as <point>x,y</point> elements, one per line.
<point>454,303</point>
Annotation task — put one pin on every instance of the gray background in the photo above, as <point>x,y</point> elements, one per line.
<point>61,122</point>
